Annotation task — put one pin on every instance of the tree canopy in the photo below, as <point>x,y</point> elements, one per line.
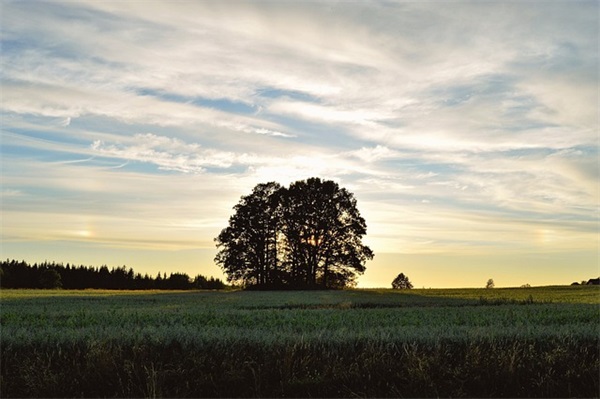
<point>308,235</point>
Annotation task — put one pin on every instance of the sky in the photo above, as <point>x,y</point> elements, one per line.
<point>467,131</point>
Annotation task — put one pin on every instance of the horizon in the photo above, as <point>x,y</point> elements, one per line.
<point>466,131</point>
<point>230,286</point>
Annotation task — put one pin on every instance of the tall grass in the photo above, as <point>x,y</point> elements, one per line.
<point>374,343</point>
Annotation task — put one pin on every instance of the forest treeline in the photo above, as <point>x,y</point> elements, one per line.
<point>20,274</point>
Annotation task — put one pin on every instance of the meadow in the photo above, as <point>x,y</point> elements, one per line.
<point>520,342</point>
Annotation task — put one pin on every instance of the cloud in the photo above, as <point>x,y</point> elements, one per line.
<point>167,153</point>
<point>11,193</point>
<point>70,102</point>
<point>115,207</point>
<point>373,154</point>
<point>374,70</point>
<point>272,133</point>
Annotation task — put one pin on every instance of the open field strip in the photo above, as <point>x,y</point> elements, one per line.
<point>501,342</point>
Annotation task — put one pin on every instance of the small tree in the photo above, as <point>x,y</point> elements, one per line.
<point>401,282</point>
<point>490,283</point>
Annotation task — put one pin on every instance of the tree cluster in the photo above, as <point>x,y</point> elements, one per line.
<point>20,274</point>
<point>308,235</point>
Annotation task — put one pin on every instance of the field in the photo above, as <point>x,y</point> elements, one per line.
<point>522,342</point>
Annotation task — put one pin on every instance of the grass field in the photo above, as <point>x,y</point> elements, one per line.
<point>534,342</point>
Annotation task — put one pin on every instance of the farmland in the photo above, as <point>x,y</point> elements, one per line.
<point>518,342</point>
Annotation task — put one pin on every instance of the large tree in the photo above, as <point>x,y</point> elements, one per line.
<point>307,235</point>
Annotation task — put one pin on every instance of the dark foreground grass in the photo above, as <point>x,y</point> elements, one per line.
<point>330,344</point>
<point>354,369</point>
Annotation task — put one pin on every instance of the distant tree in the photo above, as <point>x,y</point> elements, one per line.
<point>490,284</point>
<point>526,285</point>
<point>401,282</point>
<point>200,282</point>
<point>214,284</point>
<point>49,278</point>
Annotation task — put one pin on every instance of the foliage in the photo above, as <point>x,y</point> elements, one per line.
<point>15,274</point>
<point>249,244</point>
<point>401,282</point>
<point>490,284</point>
<point>376,343</point>
<point>305,236</point>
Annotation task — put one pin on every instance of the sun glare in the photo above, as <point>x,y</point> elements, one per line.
<point>84,233</point>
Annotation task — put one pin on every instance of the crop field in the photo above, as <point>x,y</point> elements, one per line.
<point>522,342</point>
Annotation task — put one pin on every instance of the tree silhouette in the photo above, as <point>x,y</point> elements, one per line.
<point>249,244</point>
<point>308,235</point>
<point>401,282</point>
<point>490,284</point>
<point>323,231</point>
<point>179,281</point>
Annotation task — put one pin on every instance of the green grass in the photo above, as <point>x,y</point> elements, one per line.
<point>469,342</point>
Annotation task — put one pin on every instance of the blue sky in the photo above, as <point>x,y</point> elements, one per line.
<point>468,131</point>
